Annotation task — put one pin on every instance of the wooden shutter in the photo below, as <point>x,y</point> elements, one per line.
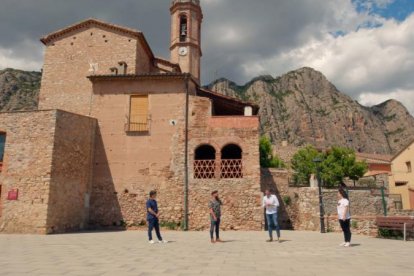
<point>138,116</point>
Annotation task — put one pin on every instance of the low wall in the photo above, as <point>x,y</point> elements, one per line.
<point>300,205</point>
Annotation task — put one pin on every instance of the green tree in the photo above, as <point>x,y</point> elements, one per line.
<point>337,163</point>
<point>303,164</point>
<point>267,159</point>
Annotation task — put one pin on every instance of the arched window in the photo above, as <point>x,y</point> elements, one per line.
<point>231,162</point>
<point>183,28</point>
<point>204,162</point>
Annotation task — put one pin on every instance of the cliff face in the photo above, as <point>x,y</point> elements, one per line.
<point>18,90</point>
<point>303,107</point>
<point>300,107</point>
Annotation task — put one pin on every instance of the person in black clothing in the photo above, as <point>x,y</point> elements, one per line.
<point>153,218</point>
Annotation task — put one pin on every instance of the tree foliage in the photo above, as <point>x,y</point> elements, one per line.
<point>267,159</point>
<point>336,164</point>
<point>303,164</point>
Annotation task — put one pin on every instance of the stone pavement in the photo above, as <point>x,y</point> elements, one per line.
<point>244,253</point>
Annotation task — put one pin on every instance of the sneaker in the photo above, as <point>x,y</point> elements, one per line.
<point>347,244</point>
<point>151,242</point>
<point>163,241</point>
<point>342,244</point>
<point>269,240</point>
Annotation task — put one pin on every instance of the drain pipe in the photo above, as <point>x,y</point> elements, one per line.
<point>187,104</point>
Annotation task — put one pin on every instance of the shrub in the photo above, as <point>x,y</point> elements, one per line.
<point>354,224</point>
<point>287,200</point>
<point>171,225</point>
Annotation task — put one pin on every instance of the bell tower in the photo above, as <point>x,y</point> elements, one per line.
<point>186,18</point>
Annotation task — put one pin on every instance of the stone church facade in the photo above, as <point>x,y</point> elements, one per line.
<point>114,122</point>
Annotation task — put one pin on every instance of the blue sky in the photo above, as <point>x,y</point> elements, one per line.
<point>394,9</point>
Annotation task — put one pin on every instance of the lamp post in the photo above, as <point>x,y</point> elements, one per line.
<point>318,161</point>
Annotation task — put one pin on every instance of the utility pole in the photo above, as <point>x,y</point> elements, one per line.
<point>318,161</point>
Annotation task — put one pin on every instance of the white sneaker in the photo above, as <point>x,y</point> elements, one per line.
<point>163,241</point>
<point>347,244</point>
<point>342,244</point>
<point>151,242</point>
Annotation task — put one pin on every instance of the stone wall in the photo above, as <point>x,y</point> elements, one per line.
<point>365,206</point>
<point>128,166</point>
<point>71,176</point>
<point>48,159</point>
<point>27,167</point>
<point>87,51</point>
<point>300,205</point>
<point>241,197</point>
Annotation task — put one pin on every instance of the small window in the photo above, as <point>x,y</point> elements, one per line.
<point>138,114</point>
<point>183,28</point>
<point>400,183</point>
<point>408,164</point>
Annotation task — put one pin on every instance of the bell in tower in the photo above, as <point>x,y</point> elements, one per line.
<point>186,19</point>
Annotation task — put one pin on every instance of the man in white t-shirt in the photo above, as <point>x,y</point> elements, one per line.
<point>271,204</point>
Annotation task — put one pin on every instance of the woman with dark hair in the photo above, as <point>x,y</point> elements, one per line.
<point>344,216</point>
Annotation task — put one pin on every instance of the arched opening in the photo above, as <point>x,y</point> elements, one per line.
<point>183,28</point>
<point>231,162</point>
<point>231,151</point>
<point>204,162</point>
<point>205,152</point>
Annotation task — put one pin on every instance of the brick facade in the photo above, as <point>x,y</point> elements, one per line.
<point>94,171</point>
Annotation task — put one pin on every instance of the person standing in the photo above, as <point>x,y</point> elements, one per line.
<point>215,216</point>
<point>153,218</point>
<point>271,204</point>
<point>344,216</point>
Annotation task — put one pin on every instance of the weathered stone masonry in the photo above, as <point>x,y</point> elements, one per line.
<point>44,151</point>
<point>92,169</point>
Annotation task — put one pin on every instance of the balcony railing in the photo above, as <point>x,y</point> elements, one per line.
<point>137,124</point>
<point>231,168</point>
<point>207,169</point>
<point>204,169</point>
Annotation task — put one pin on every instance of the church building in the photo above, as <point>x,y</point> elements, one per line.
<point>115,121</point>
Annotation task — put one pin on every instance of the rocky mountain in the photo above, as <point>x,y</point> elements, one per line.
<point>18,90</point>
<point>303,107</point>
<point>300,107</point>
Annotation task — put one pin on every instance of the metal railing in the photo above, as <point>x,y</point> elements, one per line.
<point>231,168</point>
<point>208,169</point>
<point>204,169</point>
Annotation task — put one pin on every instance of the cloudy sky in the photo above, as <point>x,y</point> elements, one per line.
<point>365,47</point>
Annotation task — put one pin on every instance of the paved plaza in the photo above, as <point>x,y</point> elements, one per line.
<point>191,253</point>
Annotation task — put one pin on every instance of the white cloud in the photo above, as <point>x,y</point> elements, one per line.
<point>380,60</point>
<point>24,55</point>
<point>8,60</point>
